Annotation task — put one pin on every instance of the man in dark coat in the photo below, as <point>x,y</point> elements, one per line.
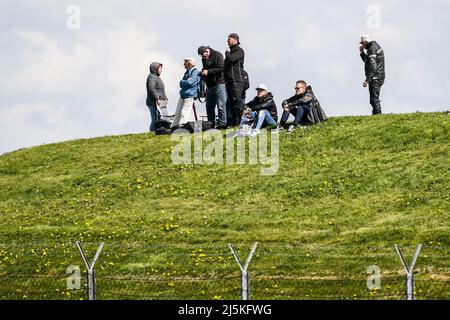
<point>212,73</point>
<point>304,106</point>
<point>374,69</point>
<point>236,79</point>
<point>264,102</point>
<point>259,113</point>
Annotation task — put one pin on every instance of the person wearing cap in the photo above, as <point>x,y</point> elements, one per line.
<point>373,56</point>
<point>259,113</point>
<point>304,106</point>
<point>216,94</point>
<point>235,78</point>
<point>188,93</point>
<point>156,93</point>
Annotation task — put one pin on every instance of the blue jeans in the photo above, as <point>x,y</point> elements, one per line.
<point>217,96</point>
<point>264,115</point>
<point>154,113</point>
<point>297,112</point>
<point>245,120</point>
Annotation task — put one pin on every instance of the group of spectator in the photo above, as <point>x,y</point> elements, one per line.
<point>226,84</point>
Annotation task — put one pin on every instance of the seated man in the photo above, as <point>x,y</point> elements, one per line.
<point>261,111</point>
<point>304,106</point>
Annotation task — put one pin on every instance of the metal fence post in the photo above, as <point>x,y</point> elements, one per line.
<point>409,271</point>
<point>245,279</point>
<point>91,285</point>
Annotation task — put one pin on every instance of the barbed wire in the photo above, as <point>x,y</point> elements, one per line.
<point>113,285</point>
<point>219,246</point>
<point>111,291</point>
<point>256,277</point>
<point>175,297</point>
<point>177,279</point>
<point>338,297</point>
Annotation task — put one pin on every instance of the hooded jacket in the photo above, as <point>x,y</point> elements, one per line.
<point>374,62</point>
<point>315,114</point>
<point>266,104</point>
<point>234,65</point>
<point>155,86</point>
<point>214,65</point>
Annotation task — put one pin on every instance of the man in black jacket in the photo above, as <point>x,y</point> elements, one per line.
<point>260,113</point>
<point>264,102</point>
<point>236,79</point>
<point>374,69</point>
<point>304,106</point>
<point>212,73</point>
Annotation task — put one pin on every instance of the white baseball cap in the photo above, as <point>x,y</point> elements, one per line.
<point>366,37</point>
<point>262,87</point>
<point>192,60</point>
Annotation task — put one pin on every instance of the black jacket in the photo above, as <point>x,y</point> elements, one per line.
<point>374,62</point>
<point>214,65</point>
<point>234,65</point>
<point>267,104</point>
<point>315,114</point>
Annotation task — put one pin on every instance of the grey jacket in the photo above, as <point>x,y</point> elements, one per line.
<point>155,86</point>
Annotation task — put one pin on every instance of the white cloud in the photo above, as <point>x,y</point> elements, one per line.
<point>28,125</point>
<point>110,66</point>
<point>48,69</point>
<point>127,53</point>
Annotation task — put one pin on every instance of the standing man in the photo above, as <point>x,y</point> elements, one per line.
<point>373,56</point>
<point>212,73</point>
<point>235,78</point>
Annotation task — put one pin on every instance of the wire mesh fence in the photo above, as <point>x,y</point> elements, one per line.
<point>197,272</point>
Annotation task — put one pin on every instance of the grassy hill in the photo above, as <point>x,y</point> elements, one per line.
<point>345,193</point>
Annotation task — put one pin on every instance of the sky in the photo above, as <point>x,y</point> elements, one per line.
<point>77,69</point>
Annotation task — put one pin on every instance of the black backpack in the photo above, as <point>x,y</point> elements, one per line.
<point>246,80</point>
<point>163,127</point>
<point>190,126</point>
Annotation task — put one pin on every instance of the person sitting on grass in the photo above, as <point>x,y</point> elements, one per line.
<point>259,113</point>
<point>304,106</point>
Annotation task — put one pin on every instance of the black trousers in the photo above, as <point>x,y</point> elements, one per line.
<point>297,112</point>
<point>235,103</point>
<point>374,90</point>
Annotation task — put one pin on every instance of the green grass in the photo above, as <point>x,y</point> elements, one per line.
<point>345,193</point>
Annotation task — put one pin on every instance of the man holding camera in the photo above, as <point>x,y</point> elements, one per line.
<point>212,73</point>
<point>373,56</point>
